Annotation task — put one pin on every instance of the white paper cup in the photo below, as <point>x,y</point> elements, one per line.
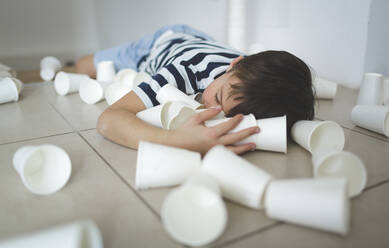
<point>8,90</point>
<point>169,93</point>
<point>141,77</point>
<point>49,66</point>
<point>324,88</point>
<point>126,76</point>
<point>319,203</point>
<point>313,135</point>
<point>5,74</point>
<point>66,83</point>
<point>160,166</point>
<point>44,169</point>
<point>333,163</point>
<point>105,71</point>
<point>151,115</point>
<point>195,214</point>
<point>221,114</point>
<point>238,180</point>
<point>6,71</point>
<point>92,91</point>
<point>175,114</point>
<point>370,92</point>
<point>385,98</point>
<point>372,117</point>
<point>19,84</point>
<point>115,91</point>
<point>80,234</point>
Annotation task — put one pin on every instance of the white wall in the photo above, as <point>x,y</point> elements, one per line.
<point>30,29</point>
<point>331,36</point>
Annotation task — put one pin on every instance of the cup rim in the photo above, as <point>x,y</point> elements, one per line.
<point>326,122</point>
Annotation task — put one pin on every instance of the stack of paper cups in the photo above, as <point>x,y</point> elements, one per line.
<point>141,77</point>
<point>319,203</point>
<point>325,89</point>
<point>105,71</point>
<point>152,115</point>
<point>239,180</point>
<point>372,117</point>
<point>66,83</point>
<point>169,93</point>
<point>49,66</point>
<point>92,91</point>
<point>195,213</point>
<point>9,89</point>
<point>44,169</point>
<point>175,114</point>
<point>334,163</point>
<point>159,166</point>
<point>84,234</point>
<point>115,91</point>
<point>126,77</point>
<point>370,92</point>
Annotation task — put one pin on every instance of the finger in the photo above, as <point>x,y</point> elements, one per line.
<point>232,138</point>
<point>206,115</point>
<point>239,149</point>
<point>227,126</point>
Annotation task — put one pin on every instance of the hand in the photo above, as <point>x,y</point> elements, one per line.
<point>194,135</point>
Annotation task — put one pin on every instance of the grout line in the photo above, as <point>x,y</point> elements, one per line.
<point>63,117</point>
<point>247,235</point>
<point>121,178</point>
<point>41,137</point>
<point>88,129</point>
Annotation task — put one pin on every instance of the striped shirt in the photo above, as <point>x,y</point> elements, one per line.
<point>188,62</point>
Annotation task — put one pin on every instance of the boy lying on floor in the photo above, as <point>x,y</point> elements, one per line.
<point>266,84</point>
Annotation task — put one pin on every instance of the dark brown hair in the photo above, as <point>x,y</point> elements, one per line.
<point>274,83</point>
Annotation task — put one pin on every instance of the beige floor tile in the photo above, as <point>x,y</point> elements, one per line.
<point>369,228</point>
<point>339,110</point>
<point>94,191</point>
<point>30,117</point>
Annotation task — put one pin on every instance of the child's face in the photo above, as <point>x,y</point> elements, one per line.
<point>219,93</point>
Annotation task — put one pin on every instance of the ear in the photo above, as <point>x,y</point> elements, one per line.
<point>233,63</point>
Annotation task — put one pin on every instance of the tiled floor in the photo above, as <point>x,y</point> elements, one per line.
<point>102,183</point>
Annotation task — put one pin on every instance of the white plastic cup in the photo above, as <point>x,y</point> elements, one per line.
<point>175,114</point>
<point>324,88</point>
<point>105,71</point>
<point>333,163</point>
<point>49,66</point>
<point>126,76</point>
<point>44,169</point>
<point>141,77</point>
<point>238,180</point>
<point>160,166</point>
<point>372,117</point>
<point>115,91</point>
<point>80,234</point>
<point>385,97</point>
<point>8,90</point>
<point>66,83</point>
<point>169,93</point>
<point>319,203</point>
<point>92,91</point>
<point>151,115</point>
<point>370,92</point>
<point>195,214</point>
<point>314,135</point>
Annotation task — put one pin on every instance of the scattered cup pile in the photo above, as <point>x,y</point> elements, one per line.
<point>10,86</point>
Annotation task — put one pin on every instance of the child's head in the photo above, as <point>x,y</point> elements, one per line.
<point>266,84</point>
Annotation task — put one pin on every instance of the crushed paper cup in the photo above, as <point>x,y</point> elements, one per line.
<point>372,117</point>
<point>78,234</point>
<point>169,93</point>
<point>126,76</point>
<point>175,114</point>
<point>8,90</point>
<point>49,66</point>
<point>320,203</point>
<point>92,91</point>
<point>66,83</point>
<point>44,169</point>
<point>238,180</point>
<point>105,71</point>
<point>314,135</point>
<point>151,115</point>
<point>6,71</point>
<point>385,98</point>
<point>195,214</point>
<point>324,88</point>
<point>160,166</point>
<point>333,163</point>
<point>141,77</point>
<point>115,91</point>
<point>370,92</point>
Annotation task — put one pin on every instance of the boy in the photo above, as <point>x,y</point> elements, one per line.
<point>267,84</point>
